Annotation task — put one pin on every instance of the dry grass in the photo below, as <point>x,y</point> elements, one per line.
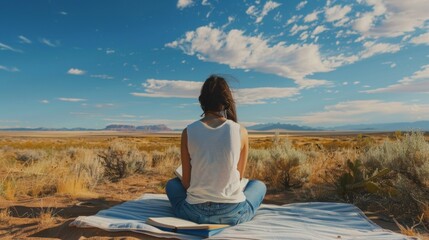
<point>73,186</point>
<point>165,162</point>
<point>311,165</point>
<point>426,213</point>
<point>47,217</point>
<point>5,216</point>
<point>409,231</point>
<point>8,188</point>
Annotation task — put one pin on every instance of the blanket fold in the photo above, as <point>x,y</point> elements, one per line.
<point>313,220</point>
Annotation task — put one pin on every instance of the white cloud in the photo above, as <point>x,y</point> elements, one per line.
<point>230,20</point>
<point>294,61</point>
<point>4,47</point>
<point>9,69</point>
<point>260,14</point>
<point>416,83</point>
<point>301,5</point>
<point>373,48</point>
<point>71,99</point>
<point>170,88</point>
<point>341,22</point>
<point>128,116</point>
<point>268,7</point>
<point>319,29</point>
<point>102,76</point>
<point>421,39</point>
<point>251,11</point>
<point>63,13</point>
<point>311,17</point>
<point>293,19</point>
<point>297,28</point>
<point>104,105</point>
<point>181,4</point>
<point>303,36</point>
<point>239,51</point>
<point>110,51</point>
<point>75,71</point>
<point>190,89</point>
<point>392,18</point>
<point>370,49</point>
<point>336,13</point>
<point>364,111</point>
<point>44,101</point>
<point>24,39</point>
<point>261,94</point>
<point>87,114</point>
<point>356,82</point>
<point>364,23</point>
<point>49,42</point>
<point>205,3</point>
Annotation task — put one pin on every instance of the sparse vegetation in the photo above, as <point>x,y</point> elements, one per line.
<point>370,171</point>
<point>29,156</point>
<point>122,159</point>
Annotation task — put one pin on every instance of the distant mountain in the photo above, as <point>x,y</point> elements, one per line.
<point>154,128</point>
<point>118,127</point>
<point>113,127</point>
<point>282,126</point>
<point>146,128</point>
<point>400,126</point>
<point>48,129</point>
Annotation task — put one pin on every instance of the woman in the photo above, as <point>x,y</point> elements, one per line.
<point>214,153</point>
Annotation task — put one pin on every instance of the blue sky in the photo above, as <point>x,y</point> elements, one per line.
<point>316,63</point>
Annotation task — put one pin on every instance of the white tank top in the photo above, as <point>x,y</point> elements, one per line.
<point>215,153</point>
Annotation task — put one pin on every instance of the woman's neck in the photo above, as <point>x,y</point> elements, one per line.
<point>213,119</point>
<point>213,115</point>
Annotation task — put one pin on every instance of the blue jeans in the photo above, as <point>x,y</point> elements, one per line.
<point>210,212</point>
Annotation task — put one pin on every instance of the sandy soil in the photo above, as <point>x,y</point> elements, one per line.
<point>49,217</point>
<point>25,220</point>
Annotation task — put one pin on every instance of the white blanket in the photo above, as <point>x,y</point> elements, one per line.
<point>314,220</point>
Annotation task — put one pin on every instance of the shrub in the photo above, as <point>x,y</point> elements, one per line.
<point>256,163</point>
<point>87,166</point>
<point>157,158</point>
<point>122,159</point>
<point>354,180</point>
<point>28,156</point>
<point>284,170</point>
<point>165,162</point>
<point>408,156</point>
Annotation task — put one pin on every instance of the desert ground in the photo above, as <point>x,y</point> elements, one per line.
<point>47,179</point>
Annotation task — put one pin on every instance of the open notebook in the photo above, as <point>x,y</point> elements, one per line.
<point>173,224</point>
<point>178,173</point>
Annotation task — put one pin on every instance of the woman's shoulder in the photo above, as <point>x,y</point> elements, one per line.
<point>243,130</point>
<point>239,125</point>
<point>193,124</point>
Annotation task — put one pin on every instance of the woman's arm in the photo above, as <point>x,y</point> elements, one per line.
<point>186,160</point>
<point>244,151</point>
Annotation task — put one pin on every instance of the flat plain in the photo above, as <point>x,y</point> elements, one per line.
<point>48,178</point>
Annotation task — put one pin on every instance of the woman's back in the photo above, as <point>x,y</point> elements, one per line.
<point>214,153</point>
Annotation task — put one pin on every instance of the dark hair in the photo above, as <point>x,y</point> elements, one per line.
<point>216,96</point>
